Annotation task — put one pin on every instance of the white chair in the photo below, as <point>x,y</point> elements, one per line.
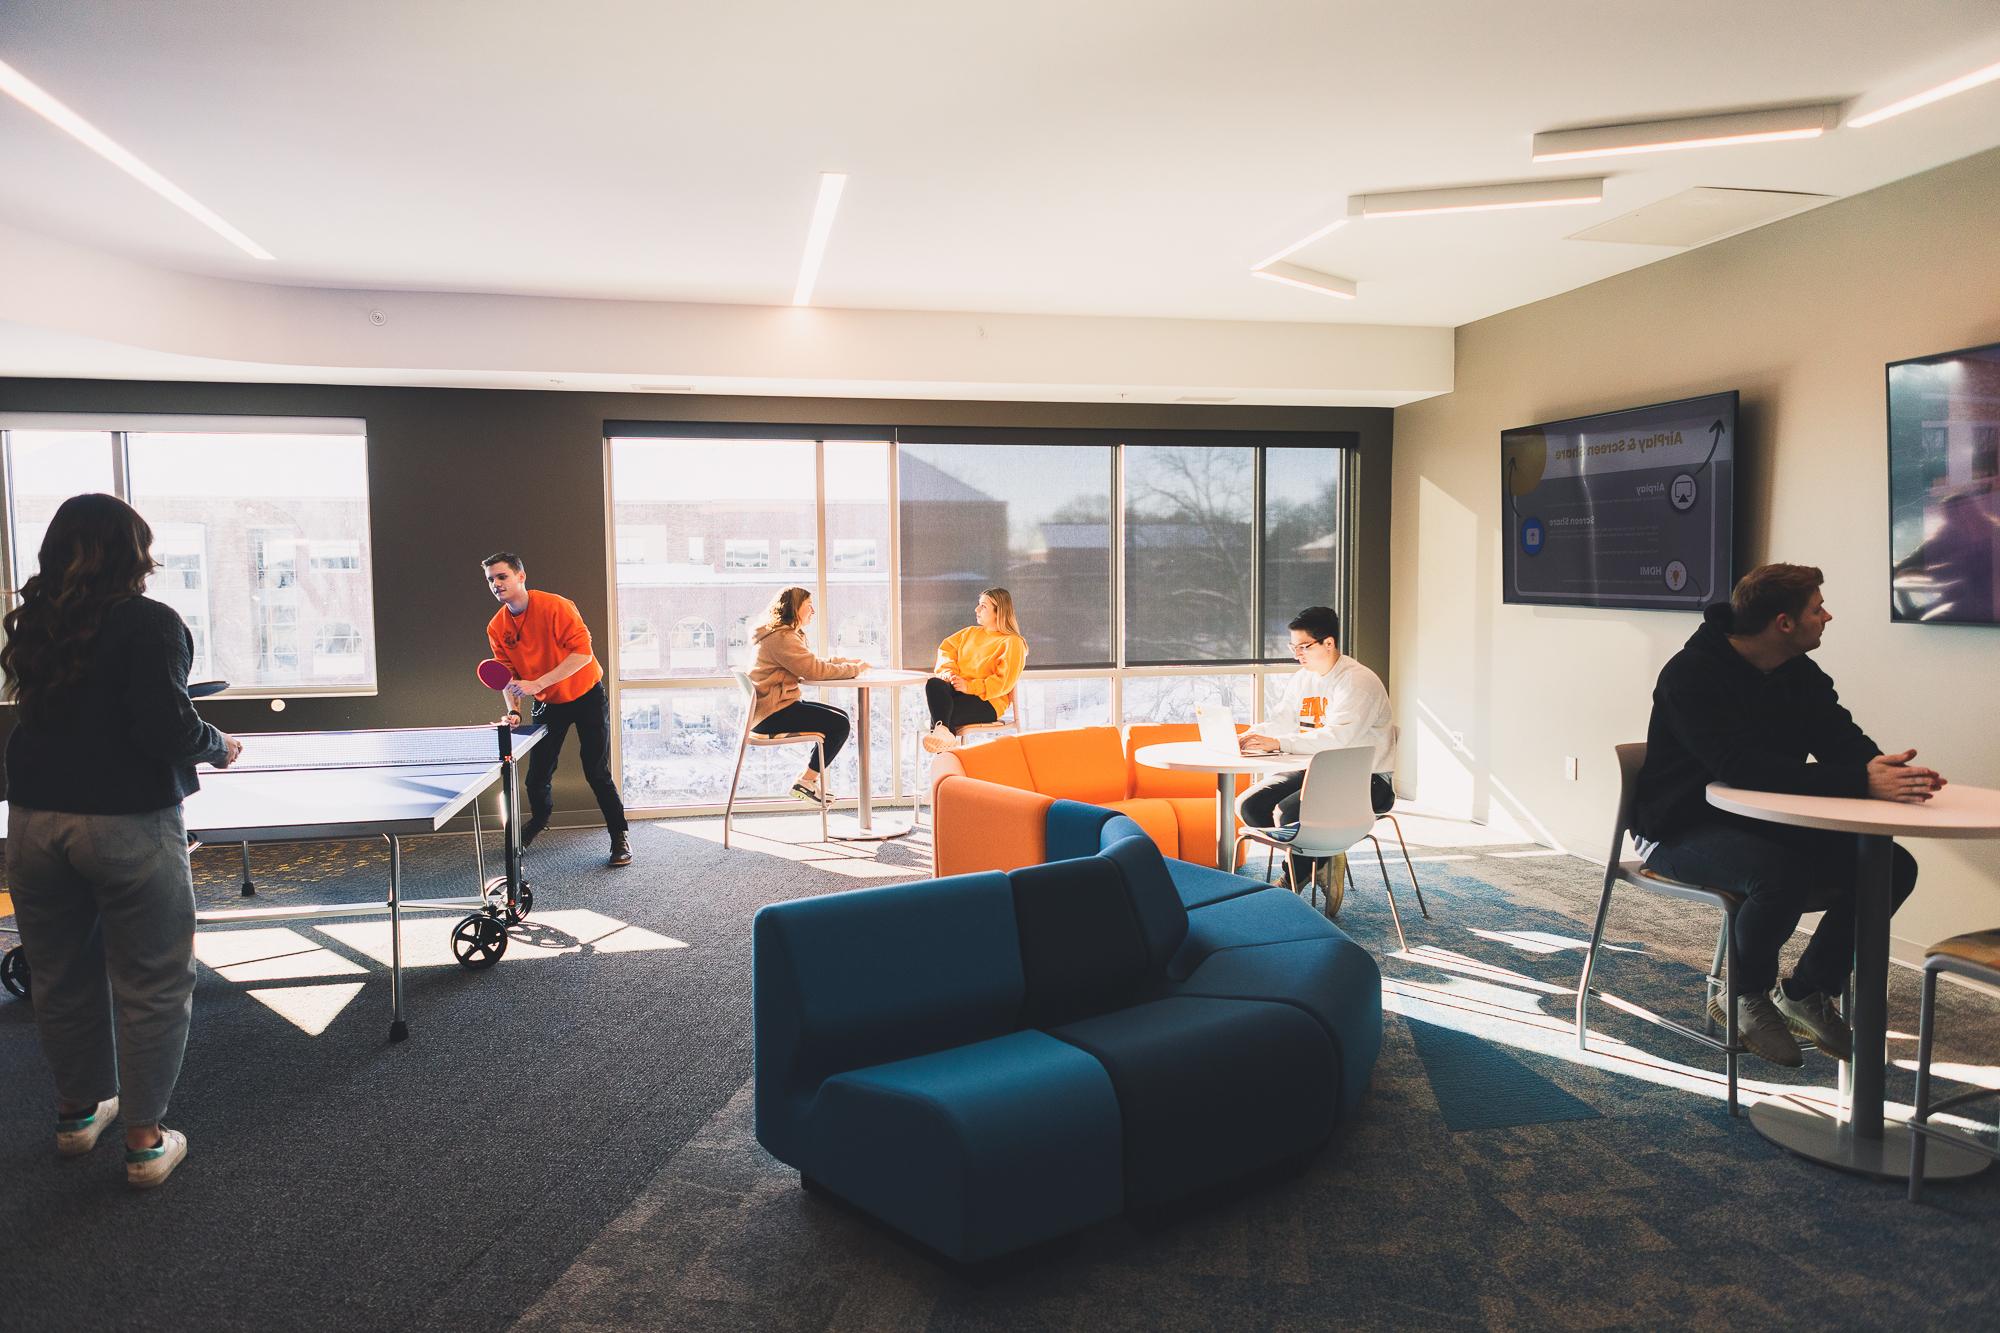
<point>1395,750</point>
<point>1336,813</point>
<point>1633,873</point>
<point>750,738</point>
<point>1010,722</point>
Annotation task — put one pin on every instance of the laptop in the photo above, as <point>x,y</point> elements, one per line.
<point>1218,730</point>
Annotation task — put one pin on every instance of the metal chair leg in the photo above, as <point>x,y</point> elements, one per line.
<point>1590,961</point>
<point>819,766</point>
<point>729,802</point>
<point>1727,947</point>
<point>1922,1114</point>
<point>1394,915</point>
<point>1409,865</point>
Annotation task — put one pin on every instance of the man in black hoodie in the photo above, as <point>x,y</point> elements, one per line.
<point>1741,704</point>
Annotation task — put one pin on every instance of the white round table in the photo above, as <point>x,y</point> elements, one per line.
<point>864,828</point>
<point>1862,1143</point>
<point>1194,757</point>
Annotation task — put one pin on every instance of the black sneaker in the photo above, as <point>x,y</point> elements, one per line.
<point>621,850</point>
<point>530,829</point>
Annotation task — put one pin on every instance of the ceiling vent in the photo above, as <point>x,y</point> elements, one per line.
<point>1698,216</point>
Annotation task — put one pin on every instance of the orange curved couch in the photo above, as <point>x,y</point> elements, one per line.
<point>991,801</point>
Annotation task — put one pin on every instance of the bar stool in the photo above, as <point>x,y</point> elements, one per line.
<point>1976,956</point>
<point>751,738</point>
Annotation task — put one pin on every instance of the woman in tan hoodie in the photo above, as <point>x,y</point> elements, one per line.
<point>783,660</point>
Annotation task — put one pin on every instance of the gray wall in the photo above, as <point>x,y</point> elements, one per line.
<point>457,473</point>
<point>1801,316</point>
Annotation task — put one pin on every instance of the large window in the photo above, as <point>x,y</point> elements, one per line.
<point>1032,518</point>
<point>260,529</point>
<point>1150,575</point>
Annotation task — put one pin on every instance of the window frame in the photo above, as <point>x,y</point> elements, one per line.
<point>905,764</point>
<point>119,427</point>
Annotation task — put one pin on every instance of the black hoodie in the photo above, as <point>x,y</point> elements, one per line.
<point>1717,718</point>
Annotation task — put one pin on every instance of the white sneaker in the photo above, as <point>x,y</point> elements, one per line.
<point>77,1135</point>
<point>939,739</point>
<point>146,1168</point>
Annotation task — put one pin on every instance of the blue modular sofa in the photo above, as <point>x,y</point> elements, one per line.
<point>990,1060</point>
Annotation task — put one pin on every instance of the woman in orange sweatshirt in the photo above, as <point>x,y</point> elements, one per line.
<point>783,660</point>
<point>977,669</point>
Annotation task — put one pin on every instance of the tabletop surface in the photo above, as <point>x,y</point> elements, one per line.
<point>299,785</point>
<point>875,676</point>
<point>1956,812</point>
<point>1194,757</point>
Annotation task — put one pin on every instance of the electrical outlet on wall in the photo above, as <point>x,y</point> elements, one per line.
<point>1569,767</point>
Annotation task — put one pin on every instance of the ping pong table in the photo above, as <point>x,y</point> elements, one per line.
<point>324,786</point>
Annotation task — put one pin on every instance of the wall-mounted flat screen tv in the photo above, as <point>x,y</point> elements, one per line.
<point>1632,509</point>
<point>1944,488</point>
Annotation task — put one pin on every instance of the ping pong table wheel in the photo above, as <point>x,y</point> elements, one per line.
<point>478,941</point>
<point>14,971</point>
<point>495,894</point>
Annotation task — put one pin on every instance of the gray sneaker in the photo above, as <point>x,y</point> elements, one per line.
<point>1764,1031</point>
<point>1816,1019</point>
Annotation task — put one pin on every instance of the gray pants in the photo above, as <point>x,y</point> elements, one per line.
<point>106,909</point>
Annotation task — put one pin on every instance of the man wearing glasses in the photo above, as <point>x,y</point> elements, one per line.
<point>1330,703</point>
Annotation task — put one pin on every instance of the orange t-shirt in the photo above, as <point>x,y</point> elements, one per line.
<point>535,642</point>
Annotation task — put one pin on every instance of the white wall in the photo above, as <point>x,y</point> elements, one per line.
<point>1801,316</point>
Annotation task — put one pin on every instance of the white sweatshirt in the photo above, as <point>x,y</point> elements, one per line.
<point>1353,709</point>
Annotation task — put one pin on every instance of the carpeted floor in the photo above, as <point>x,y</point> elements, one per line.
<point>567,1138</point>
<point>338,1181</point>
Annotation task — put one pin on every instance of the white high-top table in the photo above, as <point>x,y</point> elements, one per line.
<point>1194,757</point>
<point>865,827</point>
<point>1862,1143</point>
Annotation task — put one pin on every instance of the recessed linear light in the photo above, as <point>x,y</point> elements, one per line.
<point>1963,83</point>
<point>1478,198</point>
<point>1664,136</point>
<point>1297,275</point>
<point>1301,243</point>
<point>38,100</point>
<point>831,183</point>
<point>665,388</point>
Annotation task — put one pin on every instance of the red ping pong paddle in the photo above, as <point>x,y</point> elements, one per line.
<point>493,674</point>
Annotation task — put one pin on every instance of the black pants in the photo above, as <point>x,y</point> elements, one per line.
<point>955,708</point>
<point>1274,803</point>
<point>590,714</point>
<point>1783,873</point>
<point>825,719</point>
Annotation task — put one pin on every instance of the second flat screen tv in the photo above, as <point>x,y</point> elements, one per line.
<point>1632,509</point>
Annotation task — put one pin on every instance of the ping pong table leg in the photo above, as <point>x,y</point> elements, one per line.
<point>398,1029</point>
<point>249,889</point>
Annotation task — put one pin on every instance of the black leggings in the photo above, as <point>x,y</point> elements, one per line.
<point>825,719</point>
<point>953,707</point>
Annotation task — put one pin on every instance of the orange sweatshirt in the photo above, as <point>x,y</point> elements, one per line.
<point>990,661</point>
<point>535,642</point>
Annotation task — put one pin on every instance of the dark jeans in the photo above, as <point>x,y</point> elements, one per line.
<point>955,708</point>
<point>1275,804</point>
<point>1783,873</point>
<point>590,714</point>
<point>825,719</point>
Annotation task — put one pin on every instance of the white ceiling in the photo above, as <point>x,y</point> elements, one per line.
<point>1110,157</point>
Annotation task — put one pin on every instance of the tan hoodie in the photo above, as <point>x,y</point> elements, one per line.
<point>783,660</point>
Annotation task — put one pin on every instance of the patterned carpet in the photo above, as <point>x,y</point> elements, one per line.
<point>1494,1177</point>
<point>1637,1202</point>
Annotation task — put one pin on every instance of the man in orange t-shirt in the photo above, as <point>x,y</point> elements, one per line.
<point>542,640</point>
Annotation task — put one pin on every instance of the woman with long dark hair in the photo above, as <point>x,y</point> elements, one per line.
<point>783,660</point>
<point>101,756</point>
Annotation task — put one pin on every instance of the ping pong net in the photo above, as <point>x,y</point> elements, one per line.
<point>405,747</point>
